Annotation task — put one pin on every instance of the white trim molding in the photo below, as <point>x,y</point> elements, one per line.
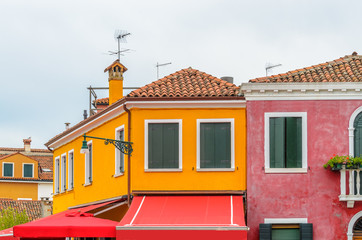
<point>56,175</point>
<point>117,157</point>
<point>232,144</point>
<point>301,91</point>
<point>285,220</point>
<point>70,169</point>
<point>304,168</point>
<point>63,175</point>
<point>351,223</point>
<point>351,130</point>
<point>188,104</point>
<point>3,163</point>
<point>24,169</point>
<point>147,122</point>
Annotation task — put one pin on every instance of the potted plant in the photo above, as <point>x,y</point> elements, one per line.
<point>336,162</point>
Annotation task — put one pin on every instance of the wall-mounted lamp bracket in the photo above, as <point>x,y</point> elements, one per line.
<point>123,146</point>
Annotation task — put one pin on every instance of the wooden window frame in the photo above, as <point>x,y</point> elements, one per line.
<point>70,170</point>
<point>118,154</point>
<point>89,159</point>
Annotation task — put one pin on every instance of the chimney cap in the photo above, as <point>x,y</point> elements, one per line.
<point>27,141</point>
<point>123,68</point>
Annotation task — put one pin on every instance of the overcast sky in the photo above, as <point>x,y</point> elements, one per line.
<point>51,51</point>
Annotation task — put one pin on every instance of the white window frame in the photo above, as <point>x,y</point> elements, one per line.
<point>117,172</point>
<point>87,163</point>
<point>70,170</point>
<point>351,130</point>
<point>179,121</point>
<point>24,169</point>
<point>232,144</point>
<point>304,168</point>
<point>56,175</point>
<point>63,175</point>
<point>4,169</point>
<point>285,220</point>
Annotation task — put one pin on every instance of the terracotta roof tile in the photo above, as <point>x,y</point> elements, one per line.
<point>344,69</point>
<point>102,101</point>
<point>187,83</point>
<point>32,208</point>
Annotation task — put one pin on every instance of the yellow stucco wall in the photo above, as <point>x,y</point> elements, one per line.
<point>105,185</point>
<point>15,190</point>
<point>18,160</point>
<point>115,90</point>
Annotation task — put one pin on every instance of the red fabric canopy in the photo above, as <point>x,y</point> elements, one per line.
<point>7,234</point>
<point>182,217</point>
<point>70,223</point>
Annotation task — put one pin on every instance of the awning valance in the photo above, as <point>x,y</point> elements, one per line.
<point>71,223</point>
<point>181,217</point>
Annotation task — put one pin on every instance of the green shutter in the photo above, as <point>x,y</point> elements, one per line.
<point>207,143</point>
<point>28,170</point>
<point>306,231</point>
<point>358,135</point>
<point>277,142</point>
<point>170,145</point>
<point>293,142</point>
<point>265,231</point>
<point>163,145</point>
<point>8,170</point>
<point>215,145</point>
<point>286,234</point>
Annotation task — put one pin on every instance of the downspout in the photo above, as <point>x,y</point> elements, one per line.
<point>128,156</point>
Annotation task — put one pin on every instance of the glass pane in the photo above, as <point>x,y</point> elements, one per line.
<point>8,170</point>
<point>28,170</point>
<point>285,234</point>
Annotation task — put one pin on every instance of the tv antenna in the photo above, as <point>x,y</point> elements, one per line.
<point>120,36</point>
<point>158,65</point>
<point>269,66</point>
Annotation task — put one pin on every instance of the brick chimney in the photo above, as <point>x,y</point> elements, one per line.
<point>46,206</point>
<point>27,144</point>
<point>115,81</point>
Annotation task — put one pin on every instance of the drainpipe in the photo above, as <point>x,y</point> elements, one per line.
<point>128,156</point>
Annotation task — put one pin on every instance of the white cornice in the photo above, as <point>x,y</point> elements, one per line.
<point>188,104</point>
<point>144,104</point>
<point>302,91</point>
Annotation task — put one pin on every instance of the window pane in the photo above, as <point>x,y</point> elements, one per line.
<point>8,170</point>
<point>286,234</point>
<point>277,142</point>
<point>293,142</point>
<point>215,145</point>
<point>163,145</point>
<point>358,135</point>
<point>28,170</point>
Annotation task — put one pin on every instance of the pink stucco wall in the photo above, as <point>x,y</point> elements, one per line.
<point>312,195</point>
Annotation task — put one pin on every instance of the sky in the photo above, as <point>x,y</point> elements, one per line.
<point>51,51</point>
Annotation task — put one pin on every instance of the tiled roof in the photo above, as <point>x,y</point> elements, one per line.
<point>187,83</point>
<point>344,69</point>
<point>24,179</point>
<point>32,208</point>
<point>102,101</point>
<point>22,150</point>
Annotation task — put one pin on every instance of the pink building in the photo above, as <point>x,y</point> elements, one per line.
<point>296,121</point>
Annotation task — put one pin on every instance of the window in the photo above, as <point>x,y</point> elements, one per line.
<point>163,145</point>
<point>70,169</point>
<point>119,164</point>
<point>358,135</point>
<point>56,185</point>
<point>275,229</point>
<point>89,164</point>
<point>8,169</point>
<point>63,171</point>
<point>28,170</point>
<point>285,142</point>
<point>215,144</point>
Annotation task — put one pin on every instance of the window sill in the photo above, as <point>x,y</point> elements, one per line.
<point>163,170</point>
<point>215,169</point>
<point>70,190</point>
<point>118,175</point>
<point>286,170</point>
<point>87,184</point>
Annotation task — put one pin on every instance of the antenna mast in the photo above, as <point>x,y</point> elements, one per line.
<point>269,66</point>
<point>120,36</point>
<point>160,65</point>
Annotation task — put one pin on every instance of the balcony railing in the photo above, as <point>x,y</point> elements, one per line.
<point>351,181</point>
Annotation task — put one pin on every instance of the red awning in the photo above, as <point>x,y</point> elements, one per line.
<point>71,223</point>
<point>181,217</point>
<point>7,234</point>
